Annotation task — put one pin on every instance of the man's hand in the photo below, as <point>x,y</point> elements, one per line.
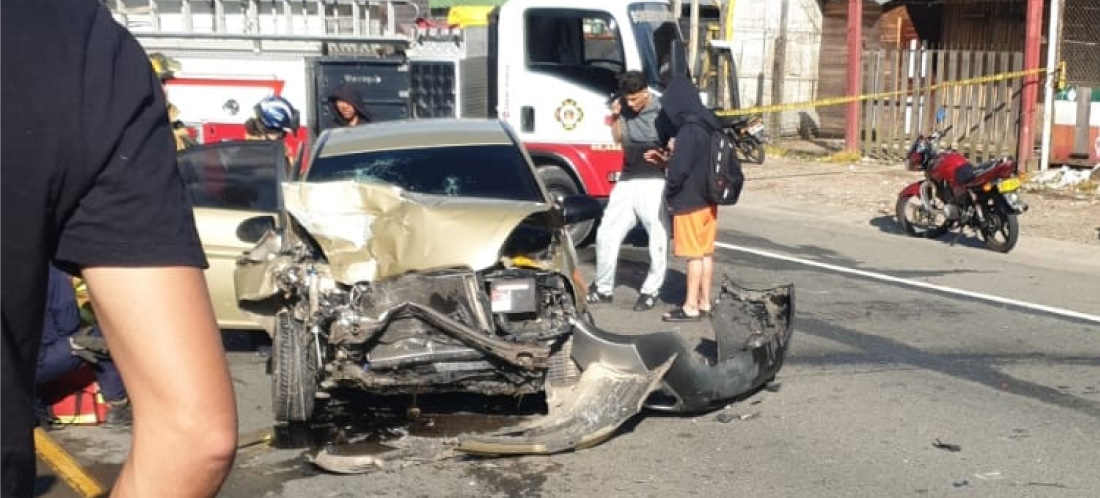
<point>657,156</point>
<point>88,347</point>
<point>616,108</point>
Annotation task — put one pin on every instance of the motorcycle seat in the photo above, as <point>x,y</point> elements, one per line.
<point>735,122</point>
<point>980,170</point>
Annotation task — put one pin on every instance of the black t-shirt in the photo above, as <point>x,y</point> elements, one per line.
<point>89,179</point>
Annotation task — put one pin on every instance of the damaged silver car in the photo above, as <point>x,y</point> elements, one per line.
<point>426,257</point>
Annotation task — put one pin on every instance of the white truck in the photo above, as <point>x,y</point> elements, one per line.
<point>547,67</point>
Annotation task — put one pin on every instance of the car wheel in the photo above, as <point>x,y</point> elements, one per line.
<point>293,370</point>
<point>561,184</point>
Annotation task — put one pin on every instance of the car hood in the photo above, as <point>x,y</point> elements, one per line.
<point>373,231</point>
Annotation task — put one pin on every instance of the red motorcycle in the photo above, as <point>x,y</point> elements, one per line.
<point>955,194</point>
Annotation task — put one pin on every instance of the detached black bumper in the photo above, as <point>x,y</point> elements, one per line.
<point>661,371</point>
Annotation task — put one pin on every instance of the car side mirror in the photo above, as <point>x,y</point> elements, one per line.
<point>253,229</point>
<point>578,208</point>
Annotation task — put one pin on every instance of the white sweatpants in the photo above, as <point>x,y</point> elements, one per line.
<point>631,201</point>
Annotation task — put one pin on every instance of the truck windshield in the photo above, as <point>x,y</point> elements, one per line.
<point>492,171</point>
<point>654,29</point>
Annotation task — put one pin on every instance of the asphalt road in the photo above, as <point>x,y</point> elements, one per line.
<point>898,343</point>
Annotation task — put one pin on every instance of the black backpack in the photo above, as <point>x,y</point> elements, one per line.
<point>724,178</point>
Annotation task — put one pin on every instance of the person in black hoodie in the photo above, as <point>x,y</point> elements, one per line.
<point>347,107</point>
<point>694,220</point>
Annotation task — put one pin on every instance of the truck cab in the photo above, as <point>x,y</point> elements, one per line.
<point>553,71</point>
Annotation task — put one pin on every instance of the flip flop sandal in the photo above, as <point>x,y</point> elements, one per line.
<point>678,315</point>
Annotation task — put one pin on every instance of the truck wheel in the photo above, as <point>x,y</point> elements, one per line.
<point>293,370</point>
<point>560,185</point>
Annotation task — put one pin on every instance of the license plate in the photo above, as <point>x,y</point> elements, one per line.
<point>756,128</point>
<point>1009,185</point>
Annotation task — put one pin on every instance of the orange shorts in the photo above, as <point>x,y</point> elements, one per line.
<point>693,233</point>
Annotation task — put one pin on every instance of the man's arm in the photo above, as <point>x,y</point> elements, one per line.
<point>617,121</point>
<point>160,328</point>
<point>132,236</point>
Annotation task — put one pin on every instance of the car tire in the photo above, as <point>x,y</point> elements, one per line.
<point>561,184</point>
<point>293,371</point>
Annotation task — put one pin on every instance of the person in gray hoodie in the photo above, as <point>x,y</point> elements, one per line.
<point>638,194</point>
<point>694,219</point>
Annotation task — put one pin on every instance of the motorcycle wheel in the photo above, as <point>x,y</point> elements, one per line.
<point>918,221</point>
<point>752,149</point>
<point>293,370</point>
<point>1000,230</point>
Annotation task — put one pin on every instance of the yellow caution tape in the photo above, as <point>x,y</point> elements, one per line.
<point>876,96</point>
<point>66,466</point>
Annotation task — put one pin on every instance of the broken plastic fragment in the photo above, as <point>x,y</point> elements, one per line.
<point>946,446</point>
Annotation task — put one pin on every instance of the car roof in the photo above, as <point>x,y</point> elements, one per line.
<point>412,134</point>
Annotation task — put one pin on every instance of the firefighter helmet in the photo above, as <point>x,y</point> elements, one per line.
<point>165,67</point>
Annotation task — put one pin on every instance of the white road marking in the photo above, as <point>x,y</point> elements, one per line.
<point>913,283</point>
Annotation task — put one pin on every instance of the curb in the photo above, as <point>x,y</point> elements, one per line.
<point>67,468</point>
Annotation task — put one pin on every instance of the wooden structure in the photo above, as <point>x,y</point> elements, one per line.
<point>897,28</point>
<point>984,117</point>
<point>833,60</point>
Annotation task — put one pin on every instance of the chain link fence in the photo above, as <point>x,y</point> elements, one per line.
<point>1081,42</point>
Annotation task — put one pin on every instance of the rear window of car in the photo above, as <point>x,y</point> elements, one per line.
<point>231,175</point>
<point>483,171</point>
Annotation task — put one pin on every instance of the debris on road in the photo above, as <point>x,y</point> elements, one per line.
<point>946,446</point>
<point>410,450</point>
<point>726,418</point>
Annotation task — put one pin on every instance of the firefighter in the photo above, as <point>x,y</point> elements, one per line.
<point>273,118</point>
<point>67,346</point>
<point>165,68</point>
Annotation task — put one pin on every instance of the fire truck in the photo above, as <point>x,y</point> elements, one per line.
<point>547,67</point>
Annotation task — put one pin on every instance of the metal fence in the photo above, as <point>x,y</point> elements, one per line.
<point>1081,42</point>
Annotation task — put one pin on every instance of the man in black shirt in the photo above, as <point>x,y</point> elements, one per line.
<point>89,181</point>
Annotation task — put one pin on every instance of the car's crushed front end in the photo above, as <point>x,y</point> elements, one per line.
<point>396,293</point>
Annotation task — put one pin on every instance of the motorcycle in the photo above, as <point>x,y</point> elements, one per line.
<point>747,134</point>
<point>955,194</point>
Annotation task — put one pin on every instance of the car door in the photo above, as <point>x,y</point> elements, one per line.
<point>229,183</point>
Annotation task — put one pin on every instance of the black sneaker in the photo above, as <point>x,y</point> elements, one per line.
<point>645,302</point>
<point>596,297</point>
<point>119,414</point>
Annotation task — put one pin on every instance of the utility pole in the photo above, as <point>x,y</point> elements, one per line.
<point>1054,39</point>
<point>855,73</point>
<point>693,54</point>
<point>725,63</point>
<point>1032,41</point>
<point>779,68</point>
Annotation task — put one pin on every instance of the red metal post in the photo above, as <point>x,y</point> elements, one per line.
<point>855,72</point>
<point>1031,83</point>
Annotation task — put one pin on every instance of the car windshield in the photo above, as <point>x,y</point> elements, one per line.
<point>494,171</point>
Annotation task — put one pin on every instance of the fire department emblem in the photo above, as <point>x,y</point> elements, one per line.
<point>569,114</point>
